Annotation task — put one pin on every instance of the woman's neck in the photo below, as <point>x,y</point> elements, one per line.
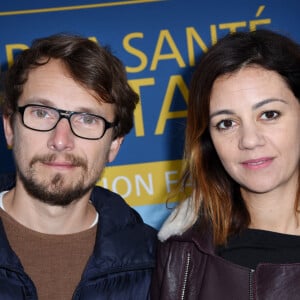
<point>273,211</point>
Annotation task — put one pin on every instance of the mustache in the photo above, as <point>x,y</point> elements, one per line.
<point>70,158</point>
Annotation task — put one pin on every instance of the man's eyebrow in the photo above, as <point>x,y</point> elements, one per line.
<point>255,106</point>
<point>38,100</point>
<point>46,102</point>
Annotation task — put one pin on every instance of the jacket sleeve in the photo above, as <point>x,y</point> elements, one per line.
<point>168,276</point>
<point>159,272</point>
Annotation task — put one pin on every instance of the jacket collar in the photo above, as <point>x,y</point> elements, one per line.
<point>7,256</point>
<point>123,241</point>
<point>201,235</point>
<point>181,219</point>
<point>184,224</point>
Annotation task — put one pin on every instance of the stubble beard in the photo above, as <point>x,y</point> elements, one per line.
<point>56,191</point>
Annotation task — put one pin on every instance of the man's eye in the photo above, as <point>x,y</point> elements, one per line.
<point>40,113</point>
<point>225,124</point>
<point>89,119</point>
<point>270,115</point>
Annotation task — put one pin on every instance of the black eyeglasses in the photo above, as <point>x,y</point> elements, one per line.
<point>45,118</point>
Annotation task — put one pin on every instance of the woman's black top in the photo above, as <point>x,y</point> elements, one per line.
<point>253,246</point>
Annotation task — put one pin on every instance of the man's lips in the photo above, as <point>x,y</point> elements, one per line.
<point>58,164</point>
<point>257,163</point>
<point>66,162</point>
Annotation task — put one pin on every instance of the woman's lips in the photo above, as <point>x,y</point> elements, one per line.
<point>257,163</point>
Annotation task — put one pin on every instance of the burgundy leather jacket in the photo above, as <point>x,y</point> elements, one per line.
<point>188,268</point>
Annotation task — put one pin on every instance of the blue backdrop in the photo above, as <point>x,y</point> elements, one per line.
<point>159,42</point>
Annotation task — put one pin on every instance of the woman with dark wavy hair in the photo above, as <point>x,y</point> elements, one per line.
<point>238,235</point>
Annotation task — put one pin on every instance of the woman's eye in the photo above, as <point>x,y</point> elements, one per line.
<point>270,115</point>
<point>225,124</point>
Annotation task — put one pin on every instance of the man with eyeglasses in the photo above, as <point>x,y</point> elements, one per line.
<point>67,107</point>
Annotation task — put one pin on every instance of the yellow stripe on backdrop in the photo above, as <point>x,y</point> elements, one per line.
<point>144,183</point>
<point>74,7</point>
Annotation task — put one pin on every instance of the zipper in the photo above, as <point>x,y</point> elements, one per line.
<point>251,284</point>
<point>185,276</point>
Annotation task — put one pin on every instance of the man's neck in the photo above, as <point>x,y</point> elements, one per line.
<point>45,218</point>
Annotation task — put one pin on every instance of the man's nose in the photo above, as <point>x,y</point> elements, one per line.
<point>61,137</point>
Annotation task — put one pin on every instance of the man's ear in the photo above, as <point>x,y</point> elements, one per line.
<point>8,130</point>
<point>114,148</point>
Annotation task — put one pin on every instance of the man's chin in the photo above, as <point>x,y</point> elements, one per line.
<point>57,197</point>
<point>55,192</point>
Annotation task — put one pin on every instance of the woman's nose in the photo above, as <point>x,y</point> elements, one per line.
<point>250,137</point>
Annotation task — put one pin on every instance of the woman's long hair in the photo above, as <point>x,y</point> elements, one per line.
<point>215,195</point>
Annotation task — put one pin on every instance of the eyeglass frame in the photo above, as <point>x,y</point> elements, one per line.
<point>66,114</point>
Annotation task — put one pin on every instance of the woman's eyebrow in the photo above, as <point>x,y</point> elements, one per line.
<point>254,107</point>
<point>221,112</point>
<point>266,101</point>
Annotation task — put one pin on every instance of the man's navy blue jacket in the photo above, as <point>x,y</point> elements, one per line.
<point>120,267</point>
